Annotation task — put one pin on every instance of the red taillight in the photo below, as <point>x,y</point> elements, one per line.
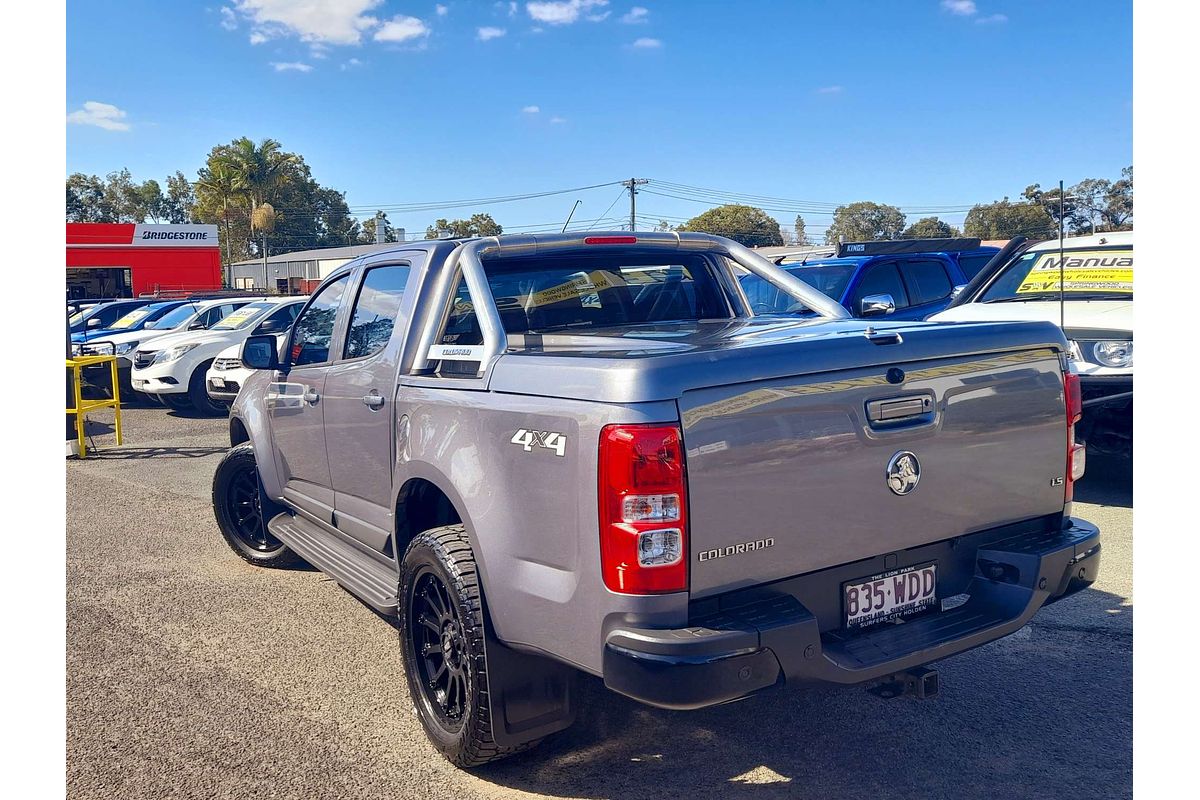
<point>610,240</point>
<point>643,509</point>
<point>1076,455</point>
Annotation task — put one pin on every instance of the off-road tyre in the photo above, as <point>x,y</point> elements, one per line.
<point>444,554</point>
<point>236,484</point>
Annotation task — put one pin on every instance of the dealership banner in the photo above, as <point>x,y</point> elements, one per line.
<point>174,236</point>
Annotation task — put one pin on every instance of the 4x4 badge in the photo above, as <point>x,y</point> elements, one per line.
<point>550,440</point>
<point>903,472</point>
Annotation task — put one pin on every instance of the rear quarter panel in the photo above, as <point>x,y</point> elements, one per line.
<point>530,513</point>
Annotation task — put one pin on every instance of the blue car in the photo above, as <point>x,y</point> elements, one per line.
<point>102,315</point>
<point>901,279</point>
<point>135,318</point>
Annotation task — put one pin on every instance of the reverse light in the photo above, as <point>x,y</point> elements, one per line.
<point>642,509</point>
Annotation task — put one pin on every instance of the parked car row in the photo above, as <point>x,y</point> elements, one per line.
<point>164,348</point>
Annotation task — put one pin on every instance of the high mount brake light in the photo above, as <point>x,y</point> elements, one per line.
<point>643,509</point>
<point>1076,454</point>
<point>610,240</point>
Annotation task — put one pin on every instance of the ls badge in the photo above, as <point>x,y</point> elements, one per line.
<point>903,472</point>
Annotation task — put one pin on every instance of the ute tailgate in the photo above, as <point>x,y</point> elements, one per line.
<point>800,463</point>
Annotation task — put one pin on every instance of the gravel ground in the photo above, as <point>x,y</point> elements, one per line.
<point>193,674</point>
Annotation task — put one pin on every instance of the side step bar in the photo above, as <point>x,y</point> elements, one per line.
<point>364,577</point>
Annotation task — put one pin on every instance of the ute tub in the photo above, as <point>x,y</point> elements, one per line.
<point>787,632</point>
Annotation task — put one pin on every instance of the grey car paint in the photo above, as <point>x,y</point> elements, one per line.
<point>532,516</point>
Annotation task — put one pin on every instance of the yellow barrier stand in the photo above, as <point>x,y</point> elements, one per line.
<point>82,406</point>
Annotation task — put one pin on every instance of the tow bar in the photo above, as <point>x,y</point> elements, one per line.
<point>920,682</point>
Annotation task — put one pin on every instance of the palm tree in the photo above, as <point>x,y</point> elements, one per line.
<point>259,170</point>
<point>218,185</point>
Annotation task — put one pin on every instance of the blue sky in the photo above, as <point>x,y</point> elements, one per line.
<point>925,104</point>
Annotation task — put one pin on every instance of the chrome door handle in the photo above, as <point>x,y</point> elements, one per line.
<point>311,396</point>
<point>373,400</point>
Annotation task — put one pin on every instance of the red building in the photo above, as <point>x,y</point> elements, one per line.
<point>128,260</point>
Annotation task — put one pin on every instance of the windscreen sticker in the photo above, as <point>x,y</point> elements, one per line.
<point>131,319</point>
<point>236,318</point>
<point>1082,271</point>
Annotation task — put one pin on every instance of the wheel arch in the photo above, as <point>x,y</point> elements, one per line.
<point>427,499</point>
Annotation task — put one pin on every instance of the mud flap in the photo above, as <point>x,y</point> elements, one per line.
<point>529,696</point>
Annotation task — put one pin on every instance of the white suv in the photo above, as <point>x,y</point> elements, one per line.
<point>227,373</point>
<point>192,315</point>
<point>173,367</point>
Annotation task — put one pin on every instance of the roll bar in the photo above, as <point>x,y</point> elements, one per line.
<point>466,261</point>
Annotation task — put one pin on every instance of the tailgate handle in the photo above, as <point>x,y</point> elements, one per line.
<point>895,408</point>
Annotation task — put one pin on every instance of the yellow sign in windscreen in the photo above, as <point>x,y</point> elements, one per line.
<point>1082,271</point>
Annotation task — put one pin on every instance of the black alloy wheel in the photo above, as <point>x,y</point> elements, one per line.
<point>440,649</point>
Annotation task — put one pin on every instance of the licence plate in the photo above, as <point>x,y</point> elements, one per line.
<point>899,593</point>
<point>218,383</point>
<point>138,384</point>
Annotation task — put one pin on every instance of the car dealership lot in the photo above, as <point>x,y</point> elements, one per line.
<point>191,673</point>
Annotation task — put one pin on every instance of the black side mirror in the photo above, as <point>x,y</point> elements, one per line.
<point>197,326</point>
<point>259,353</point>
<point>270,326</point>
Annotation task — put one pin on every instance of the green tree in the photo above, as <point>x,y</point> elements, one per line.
<point>86,200</point>
<point>1118,203</point>
<point>929,228</point>
<point>477,225</point>
<point>217,200</point>
<point>863,222</point>
<point>1004,220</point>
<point>260,170</point>
<point>799,235</point>
<point>747,225</point>
<point>180,201</point>
<point>663,226</point>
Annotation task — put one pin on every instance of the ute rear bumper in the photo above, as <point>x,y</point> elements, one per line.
<point>773,638</point>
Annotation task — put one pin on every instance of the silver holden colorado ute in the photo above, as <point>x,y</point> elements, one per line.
<point>586,452</point>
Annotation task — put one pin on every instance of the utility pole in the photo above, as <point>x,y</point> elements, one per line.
<point>632,185</point>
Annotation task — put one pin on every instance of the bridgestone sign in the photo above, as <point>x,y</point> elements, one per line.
<point>175,236</point>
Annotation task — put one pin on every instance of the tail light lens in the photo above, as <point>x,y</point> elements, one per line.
<point>1076,455</point>
<point>643,509</point>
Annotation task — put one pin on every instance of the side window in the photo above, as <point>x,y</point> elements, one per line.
<point>881,279</point>
<point>313,332</point>
<point>462,326</point>
<point>376,310</point>
<point>209,318</point>
<point>971,265</point>
<point>285,315</point>
<point>926,280</point>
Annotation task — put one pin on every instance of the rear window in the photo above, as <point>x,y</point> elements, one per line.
<point>574,294</point>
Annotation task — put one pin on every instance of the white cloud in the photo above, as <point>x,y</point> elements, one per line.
<point>598,17</point>
<point>646,43</point>
<point>829,90</point>
<point>636,16</point>
<point>228,19</point>
<point>401,28</point>
<point>351,64</point>
<point>993,19</point>
<point>101,115</point>
<point>565,12</point>
<point>557,120</point>
<point>962,8</point>
<point>291,66</point>
<point>332,21</point>
<point>441,10</point>
<point>530,110</point>
<point>486,34</point>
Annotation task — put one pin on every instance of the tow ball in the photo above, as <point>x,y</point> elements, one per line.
<point>920,682</point>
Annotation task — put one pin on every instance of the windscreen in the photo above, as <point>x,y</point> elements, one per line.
<point>577,293</point>
<point>242,317</point>
<point>132,318</point>
<point>1087,274</point>
<point>176,317</point>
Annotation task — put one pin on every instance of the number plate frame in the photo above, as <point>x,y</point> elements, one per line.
<point>890,610</point>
